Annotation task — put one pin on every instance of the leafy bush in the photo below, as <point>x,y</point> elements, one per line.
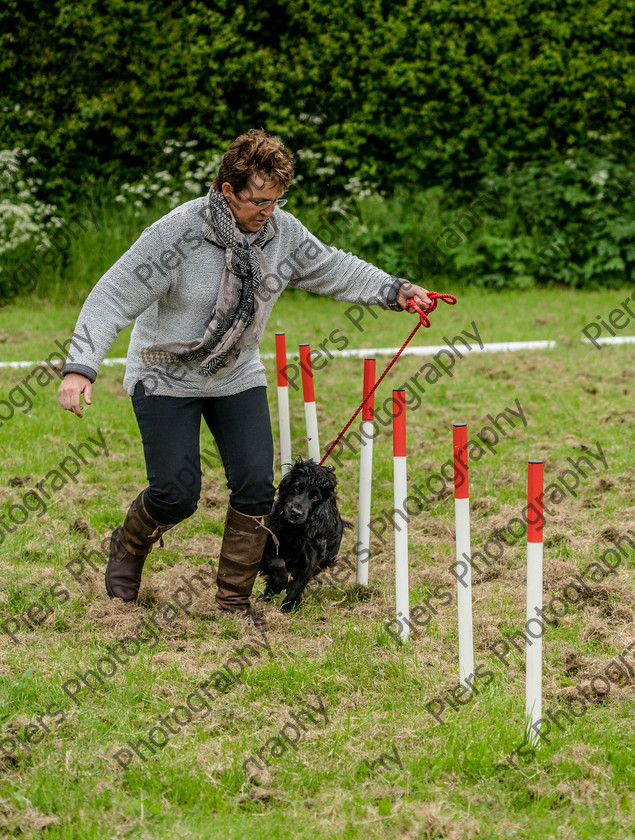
<point>368,91</point>
<point>25,222</point>
<point>571,223</point>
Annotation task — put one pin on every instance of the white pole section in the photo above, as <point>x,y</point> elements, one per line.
<point>533,661</point>
<point>463,556</point>
<point>365,475</point>
<point>284,422</point>
<point>401,513</point>
<point>310,411</point>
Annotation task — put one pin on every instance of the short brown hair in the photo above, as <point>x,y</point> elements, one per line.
<point>255,153</point>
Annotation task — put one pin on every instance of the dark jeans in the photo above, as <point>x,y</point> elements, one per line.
<point>170,431</point>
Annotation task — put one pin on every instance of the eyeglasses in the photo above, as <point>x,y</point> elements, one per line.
<point>279,202</point>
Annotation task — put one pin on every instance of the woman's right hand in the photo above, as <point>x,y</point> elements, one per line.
<point>73,385</point>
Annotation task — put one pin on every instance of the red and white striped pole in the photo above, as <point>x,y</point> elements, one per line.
<point>310,411</point>
<point>533,649</point>
<point>463,555</point>
<point>283,404</point>
<point>400,495</point>
<point>365,475</point>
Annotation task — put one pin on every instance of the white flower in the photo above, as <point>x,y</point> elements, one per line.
<point>307,154</point>
<point>600,177</point>
<point>353,183</point>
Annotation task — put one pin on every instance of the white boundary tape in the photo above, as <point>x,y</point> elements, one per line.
<point>619,339</point>
<point>429,350</point>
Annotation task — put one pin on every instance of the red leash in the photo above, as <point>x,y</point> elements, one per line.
<point>423,321</point>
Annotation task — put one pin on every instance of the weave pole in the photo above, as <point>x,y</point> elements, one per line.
<point>533,649</point>
<point>310,410</point>
<point>463,554</point>
<point>283,404</point>
<point>400,495</point>
<point>365,475</point>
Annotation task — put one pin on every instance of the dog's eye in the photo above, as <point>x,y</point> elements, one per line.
<point>315,497</point>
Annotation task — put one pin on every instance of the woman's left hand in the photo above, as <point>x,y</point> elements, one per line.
<point>409,290</point>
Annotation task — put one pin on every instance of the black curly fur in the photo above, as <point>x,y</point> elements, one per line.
<point>309,528</point>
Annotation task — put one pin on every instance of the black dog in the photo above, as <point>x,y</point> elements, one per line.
<point>308,527</point>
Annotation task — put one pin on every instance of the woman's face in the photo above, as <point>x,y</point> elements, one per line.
<point>249,217</point>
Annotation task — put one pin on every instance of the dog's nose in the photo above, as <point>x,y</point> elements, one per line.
<point>296,511</point>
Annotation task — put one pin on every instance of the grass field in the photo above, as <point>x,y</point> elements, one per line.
<point>59,737</point>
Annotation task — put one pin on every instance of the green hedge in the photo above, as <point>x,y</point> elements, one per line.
<point>570,223</point>
<point>403,92</point>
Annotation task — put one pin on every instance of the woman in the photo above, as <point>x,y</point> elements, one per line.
<point>201,283</point>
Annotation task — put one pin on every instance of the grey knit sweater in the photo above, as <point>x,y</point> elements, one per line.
<point>169,279</point>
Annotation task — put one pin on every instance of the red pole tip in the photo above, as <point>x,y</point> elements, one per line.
<point>535,514</point>
<point>399,423</point>
<point>461,477</point>
<point>281,359</point>
<point>368,411</point>
<point>307,373</point>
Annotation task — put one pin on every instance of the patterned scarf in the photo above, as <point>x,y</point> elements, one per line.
<point>237,322</point>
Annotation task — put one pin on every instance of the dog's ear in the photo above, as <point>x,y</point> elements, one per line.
<point>324,519</point>
<point>285,483</point>
<point>325,477</point>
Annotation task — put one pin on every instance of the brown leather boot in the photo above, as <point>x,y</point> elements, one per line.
<point>130,544</point>
<point>244,539</point>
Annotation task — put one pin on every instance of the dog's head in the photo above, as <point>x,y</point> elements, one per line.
<point>307,491</point>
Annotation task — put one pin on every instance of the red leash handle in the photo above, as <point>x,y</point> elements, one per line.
<point>423,314</point>
<point>423,321</point>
